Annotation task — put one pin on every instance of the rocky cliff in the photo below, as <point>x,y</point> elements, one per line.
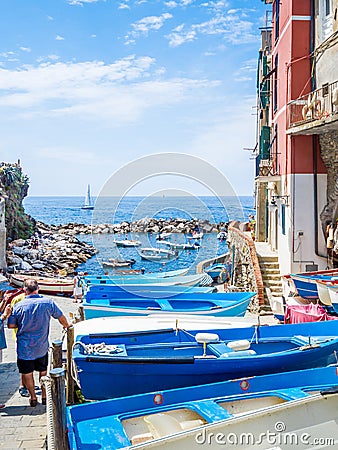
<point>14,188</point>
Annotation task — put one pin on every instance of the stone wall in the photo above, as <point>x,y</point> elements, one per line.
<point>247,273</point>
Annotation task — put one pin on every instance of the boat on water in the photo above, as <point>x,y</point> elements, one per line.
<point>157,254</point>
<point>218,271</point>
<point>201,279</point>
<point>222,235</point>
<point>47,285</point>
<point>127,243</point>
<point>149,418</point>
<point>88,204</point>
<point>214,304</point>
<point>184,246</point>
<point>167,359</point>
<point>196,235</point>
<point>116,263</point>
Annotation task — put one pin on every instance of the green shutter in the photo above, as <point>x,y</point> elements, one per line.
<point>264,143</point>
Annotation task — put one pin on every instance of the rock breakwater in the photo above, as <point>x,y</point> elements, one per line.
<point>145,225</point>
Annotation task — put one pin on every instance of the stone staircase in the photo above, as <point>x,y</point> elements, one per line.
<point>269,266</point>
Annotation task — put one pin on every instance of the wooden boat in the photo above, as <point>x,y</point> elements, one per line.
<point>332,288</point>
<point>127,280</point>
<point>149,418</point>
<point>220,304</point>
<point>157,254</point>
<point>167,359</point>
<point>116,263</point>
<point>127,243</point>
<point>88,200</point>
<point>47,285</point>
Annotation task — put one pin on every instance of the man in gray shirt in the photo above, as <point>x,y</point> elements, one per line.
<point>31,317</point>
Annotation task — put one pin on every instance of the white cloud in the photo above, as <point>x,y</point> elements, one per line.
<point>81,2</point>
<point>25,49</point>
<point>59,38</point>
<point>123,6</point>
<point>122,91</point>
<point>50,18</point>
<point>144,25</point>
<point>231,27</point>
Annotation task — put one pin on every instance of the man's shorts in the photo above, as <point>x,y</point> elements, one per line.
<point>29,365</point>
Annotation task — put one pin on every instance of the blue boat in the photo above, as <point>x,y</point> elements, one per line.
<point>218,272</point>
<point>305,283</point>
<point>126,280</point>
<point>166,359</point>
<point>136,290</point>
<point>214,304</point>
<point>124,422</point>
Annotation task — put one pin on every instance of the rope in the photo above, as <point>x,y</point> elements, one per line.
<point>101,349</point>
<point>46,381</point>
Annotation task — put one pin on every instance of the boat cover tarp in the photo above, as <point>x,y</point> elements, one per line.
<point>306,313</point>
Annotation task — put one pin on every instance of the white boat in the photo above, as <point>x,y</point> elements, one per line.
<point>157,254</point>
<point>222,235</point>
<point>127,243</point>
<point>306,423</point>
<point>88,201</point>
<point>118,262</point>
<point>197,235</point>
<point>184,246</point>
<point>152,322</point>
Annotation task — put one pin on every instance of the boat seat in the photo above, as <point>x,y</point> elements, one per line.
<point>219,348</point>
<point>161,425</point>
<point>239,345</point>
<point>206,338</point>
<point>140,438</point>
<point>238,354</point>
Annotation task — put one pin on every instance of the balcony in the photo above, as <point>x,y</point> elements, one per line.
<point>314,113</point>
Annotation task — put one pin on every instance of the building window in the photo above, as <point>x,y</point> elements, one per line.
<point>283,218</point>
<point>277,6</point>
<point>275,85</point>
<point>326,18</point>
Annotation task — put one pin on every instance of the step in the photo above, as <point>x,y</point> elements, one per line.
<point>270,270</point>
<point>267,258</point>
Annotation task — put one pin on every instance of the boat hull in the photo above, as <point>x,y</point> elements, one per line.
<point>46,285</point>
<point>147,373</point>
<point>93,423</point>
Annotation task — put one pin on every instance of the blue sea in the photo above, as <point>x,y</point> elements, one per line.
<point>64,210</point>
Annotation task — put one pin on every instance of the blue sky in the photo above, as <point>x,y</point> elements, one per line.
<point>89,85</point>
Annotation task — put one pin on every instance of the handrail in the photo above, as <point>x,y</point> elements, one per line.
<point>316,105</point>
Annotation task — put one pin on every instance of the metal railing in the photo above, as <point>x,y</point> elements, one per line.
<point>316,105</point>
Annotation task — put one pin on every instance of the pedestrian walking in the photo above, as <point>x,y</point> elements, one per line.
<point>3,316</point>
<point>31,316</point>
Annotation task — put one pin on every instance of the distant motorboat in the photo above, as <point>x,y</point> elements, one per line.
<point>196,235</point>
<point>222,235</point>
<point>127,243</point>
<point>157,254</point>
<point>88,201</point>
<point>184,246</point>
<point>118,263</point>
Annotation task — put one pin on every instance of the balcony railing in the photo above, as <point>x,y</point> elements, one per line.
<point>317,105</point>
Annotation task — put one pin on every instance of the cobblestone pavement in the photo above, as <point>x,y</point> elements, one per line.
<point>21,426</point>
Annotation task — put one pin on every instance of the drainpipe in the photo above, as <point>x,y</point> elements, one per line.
<point>314,137</point>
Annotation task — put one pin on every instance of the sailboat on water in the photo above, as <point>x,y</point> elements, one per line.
<point>88,204</point>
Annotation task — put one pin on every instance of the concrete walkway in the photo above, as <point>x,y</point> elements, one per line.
<point>21,426</point>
